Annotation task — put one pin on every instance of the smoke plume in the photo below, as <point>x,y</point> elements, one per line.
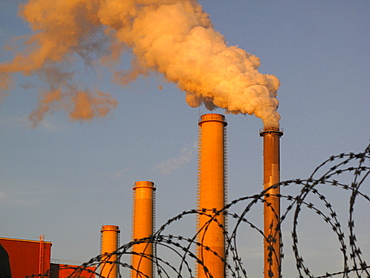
<point>173,37</point>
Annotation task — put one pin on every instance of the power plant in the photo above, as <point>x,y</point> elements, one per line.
<point>65,58</point>
<point>212,191</point>
<point>212,251</point>
<point>211,225</point>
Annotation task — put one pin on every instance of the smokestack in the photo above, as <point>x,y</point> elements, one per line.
<point>211,194</point>
<point>142,227</point>
<point>271,164</point>
<point>109,244</point>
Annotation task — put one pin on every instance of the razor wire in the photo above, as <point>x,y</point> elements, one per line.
<point>346,172</point>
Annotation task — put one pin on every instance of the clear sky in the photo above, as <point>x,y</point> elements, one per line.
<point>65,179</point>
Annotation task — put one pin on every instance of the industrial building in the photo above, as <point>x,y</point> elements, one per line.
<point>27,257</point>
<point>32,258</point>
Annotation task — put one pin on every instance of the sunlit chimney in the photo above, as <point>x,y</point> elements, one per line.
<point>109,244</point>
<point>271,164</point>
<point>211,195</point>
<point>142,227</point>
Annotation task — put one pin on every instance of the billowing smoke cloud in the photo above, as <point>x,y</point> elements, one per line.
<point>173,37</point>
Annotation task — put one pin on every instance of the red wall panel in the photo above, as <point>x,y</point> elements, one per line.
<point>63,271</point>
<point>24,256</point>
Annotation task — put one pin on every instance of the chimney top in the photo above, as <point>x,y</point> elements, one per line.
<point>144,184</point>
<point>212,117</point>
<point>269,130</point>
<point>110,228</point>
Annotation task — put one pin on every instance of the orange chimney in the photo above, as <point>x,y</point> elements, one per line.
<point>211,194</point>
<point>109,244</point>
<point>142,227</point>
<point>271,163</point>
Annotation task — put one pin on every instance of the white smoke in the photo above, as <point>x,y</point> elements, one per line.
<point>173,37</point>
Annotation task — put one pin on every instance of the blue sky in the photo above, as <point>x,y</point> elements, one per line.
<point>66,179</point>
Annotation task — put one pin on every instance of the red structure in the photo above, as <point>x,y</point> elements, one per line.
<point>27,257</point>
<point>64,271</point>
